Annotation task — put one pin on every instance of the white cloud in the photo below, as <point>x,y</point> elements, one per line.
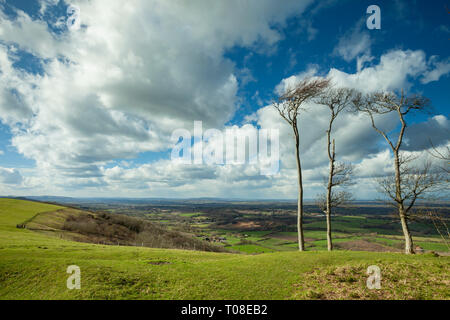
<point>121,84</point>
<point>356,141</point>
<point>421,136</point>
<point>137,71</point>
<point>10,176</point>
<point>289,82</point>
<point>377,165</point>
<point>393,72</point>
<point>440,68</point>
<point>353,44</point>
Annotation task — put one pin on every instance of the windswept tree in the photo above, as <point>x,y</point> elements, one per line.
<point>289,106</point>
<point>439,220</point>
<point>443,155</point>
<point>339,173</point>
<point>409,183</point>
<point>440,224</point>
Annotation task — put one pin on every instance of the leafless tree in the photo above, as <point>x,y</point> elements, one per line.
<point>441,155</point>
<point>339,174</point>
<point>289,106</point>
<point>439,222</point>
<point>408,184</point>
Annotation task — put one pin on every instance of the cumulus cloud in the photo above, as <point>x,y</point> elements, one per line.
<point>440,68</point>
<point>136,71</point>
<point>10,176</point>
<point>356,141</point>
<point>290,82</point>
<point>131,75</point>
<point>394,71</point>
<point>433,132</point>
<point>353,45</point>
<point>377,165</point>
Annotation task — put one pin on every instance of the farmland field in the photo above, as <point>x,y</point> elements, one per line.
<point>256,227</point>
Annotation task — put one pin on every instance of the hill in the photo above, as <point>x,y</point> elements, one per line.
<point>112,229</point>
<point>33,266</point>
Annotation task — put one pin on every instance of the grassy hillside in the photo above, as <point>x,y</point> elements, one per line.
<point>33,266</point>
<point>112,229</point>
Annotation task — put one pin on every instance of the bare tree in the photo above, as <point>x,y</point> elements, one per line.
<point>289,106</point>
<point>408,184</point>
<point>441,155</point>
<point>440,226</point>
<point>339,174</point>
<point>439,220</point>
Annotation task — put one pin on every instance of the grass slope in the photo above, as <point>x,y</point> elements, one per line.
<point>33,266</point>
<point>113,229</point>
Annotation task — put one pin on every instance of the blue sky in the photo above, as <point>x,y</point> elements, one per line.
<point>90,111</point>
<point>414,25</point>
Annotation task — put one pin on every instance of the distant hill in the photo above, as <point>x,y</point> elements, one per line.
<point>196,201</point>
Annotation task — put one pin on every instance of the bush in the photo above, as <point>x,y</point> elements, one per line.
<point>115,228</point>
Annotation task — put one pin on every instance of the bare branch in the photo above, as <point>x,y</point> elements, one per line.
<point>441,155</point>
<point>408,184</point>
<point>290,103</point>
<point>342,174</point>
<point>439,224</point>
<point>336,99</point>
<point>382,102</point>
<point>338,199</point>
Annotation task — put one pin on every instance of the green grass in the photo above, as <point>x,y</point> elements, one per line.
<point>190,214</point>
<point>233,240</point>
<point>200,225</point>
<point>251,248</point>
<point>440,247</point>
<point>13,211</point>
<point>322,244</point>
<point>33,266</point>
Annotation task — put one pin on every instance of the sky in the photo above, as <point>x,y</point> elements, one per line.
<point>88,109</point>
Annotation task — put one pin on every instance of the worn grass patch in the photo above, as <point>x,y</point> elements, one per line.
<point>399,281</point>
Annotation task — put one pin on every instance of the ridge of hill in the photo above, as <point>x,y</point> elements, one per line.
<point>112,229</point>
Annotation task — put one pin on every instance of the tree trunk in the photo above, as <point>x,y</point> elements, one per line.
<point>329,241</point>
<point>331,155</point>
<point>328,209</point>
<point>408,239</point>
<point>401,209</point>
<point>301,240</point>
